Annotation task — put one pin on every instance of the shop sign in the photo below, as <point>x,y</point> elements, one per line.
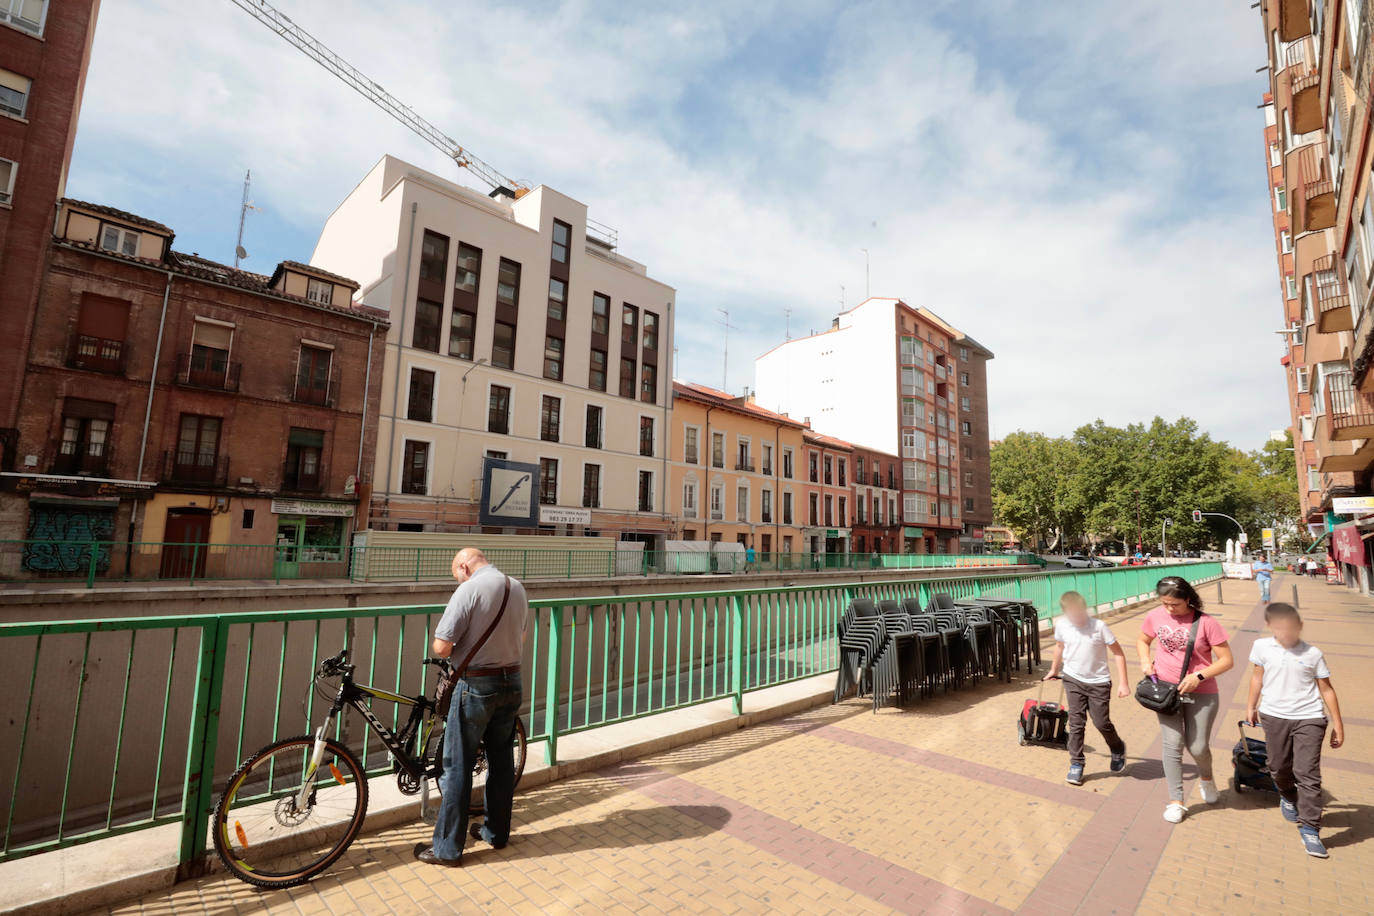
<point>1350,505</point>
<point>556,515</point>
<point>312,507</point>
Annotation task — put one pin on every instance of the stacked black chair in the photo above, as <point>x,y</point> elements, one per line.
<point>862,635</point>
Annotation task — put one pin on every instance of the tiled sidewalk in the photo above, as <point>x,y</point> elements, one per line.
<point>933,809</point>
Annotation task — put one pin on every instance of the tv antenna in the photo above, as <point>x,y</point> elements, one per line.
<point>787,317</point>
<point>725,370</point>
<point>240,253</point>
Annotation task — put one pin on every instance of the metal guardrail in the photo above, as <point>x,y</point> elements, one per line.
<point>121,725</point>
<point>94,562</point>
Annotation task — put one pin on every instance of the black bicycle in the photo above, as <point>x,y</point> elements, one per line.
<point>292,809</point>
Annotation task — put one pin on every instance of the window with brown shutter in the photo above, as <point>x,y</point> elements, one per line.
<point>101,329</point>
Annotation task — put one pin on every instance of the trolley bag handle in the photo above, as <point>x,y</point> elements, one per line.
<point>448,680</point>
<point>1244,743</point>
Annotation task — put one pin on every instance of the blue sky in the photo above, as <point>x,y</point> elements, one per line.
<point>1080,187</point>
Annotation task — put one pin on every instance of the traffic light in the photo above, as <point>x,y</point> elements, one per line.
<point>1197,515</point>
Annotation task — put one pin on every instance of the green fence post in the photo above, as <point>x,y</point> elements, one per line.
<point>198,790</point>
<point>418,551</point>
<point>737,644</point>
<point>553,684</point>
<point>525,563</point>
<point>90,567</point>
<point>195,560</point>
<point>610,564</point>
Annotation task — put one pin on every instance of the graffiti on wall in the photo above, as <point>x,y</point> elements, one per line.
<point>60,539</point>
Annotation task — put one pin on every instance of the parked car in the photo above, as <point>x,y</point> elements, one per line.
<point>1080,561</point>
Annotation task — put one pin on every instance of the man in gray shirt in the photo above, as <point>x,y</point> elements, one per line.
<point>485,704</point>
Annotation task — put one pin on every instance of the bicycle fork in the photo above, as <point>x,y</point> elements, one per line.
<point>308,778</point>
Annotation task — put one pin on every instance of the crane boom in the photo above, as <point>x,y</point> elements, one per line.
<point>293,34</point>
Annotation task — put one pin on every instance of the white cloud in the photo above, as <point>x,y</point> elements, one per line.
<point>1088,244</point>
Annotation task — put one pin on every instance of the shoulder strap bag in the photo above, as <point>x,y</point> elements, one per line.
<point>450,676</point>
<point>1161,696</point>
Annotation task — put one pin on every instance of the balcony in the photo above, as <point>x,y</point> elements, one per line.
<point>1349,412</point>
<point>745,464</point>
<point>209,373</point>
<point>308,391</point>
<point>1314,192</point>
<point>1295,19</point>
<point>82,463</point>
<point>1304,79</point>
<point>95,353</point>
<point>1333,298</point>
<point>195,468</point>
<point>296,480</point>
<point>717,515</point>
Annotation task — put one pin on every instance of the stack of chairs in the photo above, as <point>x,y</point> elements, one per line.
<point>862,635</point>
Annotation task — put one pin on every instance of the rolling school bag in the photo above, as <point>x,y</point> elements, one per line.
<point>1041,722</point>
<point>1251,760</point>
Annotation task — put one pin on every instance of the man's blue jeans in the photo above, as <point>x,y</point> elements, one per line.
<point>1264,589</point>
<point>484,711</point>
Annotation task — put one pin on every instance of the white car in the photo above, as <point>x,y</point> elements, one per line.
<point>1079,561</point>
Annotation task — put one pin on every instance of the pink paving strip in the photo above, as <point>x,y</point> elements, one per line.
<point>1110,863</point>
<point>1030,785</point>
<point>887,883</point>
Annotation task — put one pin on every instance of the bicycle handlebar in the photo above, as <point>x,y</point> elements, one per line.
<point>335,665</point>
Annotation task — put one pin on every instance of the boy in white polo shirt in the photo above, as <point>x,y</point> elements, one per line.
<point>1294,680</point>
<point>1081,646</point>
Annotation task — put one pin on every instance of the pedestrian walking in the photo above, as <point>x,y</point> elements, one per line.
<point>1081,647</point>
<point>484,626</point>
<point>749,559</point>
<point>1289,685</point>
<point>1264,573</point>
<point>1179,628</point>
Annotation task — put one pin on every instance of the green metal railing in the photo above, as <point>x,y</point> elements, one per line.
<point>95,562</point>
<point>131,723</point>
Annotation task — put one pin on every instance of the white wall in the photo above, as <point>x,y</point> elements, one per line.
<point>845,380</point>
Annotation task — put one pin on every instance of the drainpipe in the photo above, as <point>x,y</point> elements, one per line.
<point>367,386</point>
<point>667,429</point>
<point>147,420</point>
<point>777,488</point>
<point>708,464</point>
<point>400,345</point>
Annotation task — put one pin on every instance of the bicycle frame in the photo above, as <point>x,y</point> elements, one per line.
<point>399,743</point>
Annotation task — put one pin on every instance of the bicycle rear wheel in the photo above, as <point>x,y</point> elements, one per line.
<point>521,752</point>
<point>264,837</point>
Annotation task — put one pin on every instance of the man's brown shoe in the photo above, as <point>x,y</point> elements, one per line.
<point>425,853</point>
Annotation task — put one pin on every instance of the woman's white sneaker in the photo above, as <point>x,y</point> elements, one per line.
<point>1175,812</point>
<point>1208,790</point>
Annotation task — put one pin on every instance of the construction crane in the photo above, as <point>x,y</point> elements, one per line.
<point>293,34</point>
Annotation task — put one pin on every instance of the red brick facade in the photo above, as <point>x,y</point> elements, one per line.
<point>40,146</point>
<point>286,446</point>
<point>877,476</point>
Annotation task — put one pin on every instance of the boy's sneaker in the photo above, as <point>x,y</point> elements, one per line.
<point>1208,790</point>
<point>1175,812</point>
<point>1312,843</point>
<point>1290,810</point>
<point>1118,762</point>
<point>1075,777</point>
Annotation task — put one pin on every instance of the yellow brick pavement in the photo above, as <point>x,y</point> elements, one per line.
<point>929,809</point>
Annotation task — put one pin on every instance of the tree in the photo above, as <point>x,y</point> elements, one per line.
<point>1033,492</point>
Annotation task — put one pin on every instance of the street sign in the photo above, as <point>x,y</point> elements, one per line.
<point>1197,515</point>
<point>1349,505</point>
<point>1268,535</point>
<point>1244,538</point>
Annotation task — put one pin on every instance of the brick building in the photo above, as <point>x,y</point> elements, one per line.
<point>168,398</point>
<point>827,494</point>
<point>877,485</point>
<point>45,48</point>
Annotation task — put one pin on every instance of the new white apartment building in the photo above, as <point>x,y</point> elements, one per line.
<point>898,379</point>
<point>516,333</point>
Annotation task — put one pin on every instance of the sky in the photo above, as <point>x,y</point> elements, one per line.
<point>1083,189</point>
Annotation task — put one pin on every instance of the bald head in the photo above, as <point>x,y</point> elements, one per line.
<point>467,561</point>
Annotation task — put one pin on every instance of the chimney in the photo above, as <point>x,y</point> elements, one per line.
<point>835,323</point>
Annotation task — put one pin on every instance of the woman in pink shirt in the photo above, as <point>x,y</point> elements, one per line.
<point>1168,627</point>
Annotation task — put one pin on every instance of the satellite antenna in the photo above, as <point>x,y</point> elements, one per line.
<point>241,253</point>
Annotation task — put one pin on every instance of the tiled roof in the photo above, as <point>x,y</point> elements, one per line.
<point>716,398</point>
<point>312,269</point>
<point>119,215</point>
<point>828,441</point>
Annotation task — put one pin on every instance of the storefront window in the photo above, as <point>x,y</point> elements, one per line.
<point>322,541</point>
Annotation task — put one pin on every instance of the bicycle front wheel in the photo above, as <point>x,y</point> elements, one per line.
<point>281,821</point>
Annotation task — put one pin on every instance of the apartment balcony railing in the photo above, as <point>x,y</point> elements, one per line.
<point>298,481</point>
<point>1349,411</point>
<point>767,470</point>
<point>766,518</point>
<point>1314,200</point>
<point>1300,70</point>
<point>82,463</point>
<point>743,465</point>
<point>327,396</point>
<point>97,353</point>
<point>1333,297</point>
<point>717,515</point>
<point>212,374</point>
<point>195,468</point>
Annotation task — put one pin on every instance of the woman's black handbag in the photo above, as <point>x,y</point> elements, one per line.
<point>1161,696</point>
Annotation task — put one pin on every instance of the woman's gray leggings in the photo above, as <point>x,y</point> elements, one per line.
<point>1190,726</point>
